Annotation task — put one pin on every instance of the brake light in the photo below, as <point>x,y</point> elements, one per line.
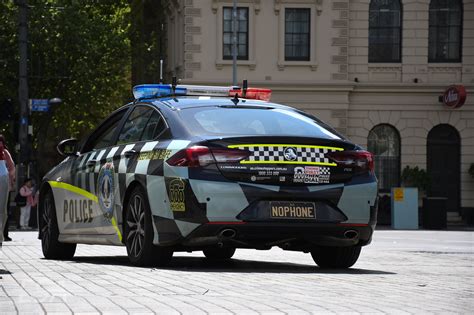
<point>200,156</point>
<point>192,157</point>
<point>230,155</point>
<point>359,160</point>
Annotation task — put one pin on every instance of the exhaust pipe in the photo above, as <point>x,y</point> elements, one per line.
<point>351,234</point>
<point>227,233</point>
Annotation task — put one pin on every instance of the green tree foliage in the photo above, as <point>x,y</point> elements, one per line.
<point>8,65</point>
<point>79,51</point>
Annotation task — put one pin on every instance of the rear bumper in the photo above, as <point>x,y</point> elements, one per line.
<point>294,236</point>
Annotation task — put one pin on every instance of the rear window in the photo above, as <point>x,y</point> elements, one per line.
<point>250,121</point>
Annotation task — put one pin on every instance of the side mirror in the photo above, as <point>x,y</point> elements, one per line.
<point>67,147</point>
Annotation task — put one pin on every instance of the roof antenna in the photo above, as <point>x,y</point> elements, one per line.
<point>235,99</point>
<point>244,88</point>
<point>174,82</point>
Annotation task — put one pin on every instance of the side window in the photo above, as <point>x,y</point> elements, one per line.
<point>135,125</point>
<point>104,135</point>
<point>154,128</point>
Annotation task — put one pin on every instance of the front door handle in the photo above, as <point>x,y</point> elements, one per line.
<point>91,163</point>
<point>131,153</point>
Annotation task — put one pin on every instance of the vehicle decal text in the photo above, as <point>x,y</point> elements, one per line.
<point>155,155</point>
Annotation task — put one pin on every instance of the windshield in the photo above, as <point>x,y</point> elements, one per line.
<point>252,121</point>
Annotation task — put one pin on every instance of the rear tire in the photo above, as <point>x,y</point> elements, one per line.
<point>219,254</point>
<point>336,257</point>
<point>52,248</point>
<point>139,233</point>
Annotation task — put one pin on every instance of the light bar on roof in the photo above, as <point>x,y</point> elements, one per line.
<point>162,90</point>
<point>253,93</point>
<point>156,90</point>
<point>204,90</point>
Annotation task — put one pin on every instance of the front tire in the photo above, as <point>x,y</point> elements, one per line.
<point>336,257</point>
<point>219,254</point>
<point>52,248</point>
<point>139,233</point>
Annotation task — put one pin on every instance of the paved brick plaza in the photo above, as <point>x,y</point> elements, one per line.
<point>401,272</point>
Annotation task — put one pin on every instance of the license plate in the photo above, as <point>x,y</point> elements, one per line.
<point>292,210</point>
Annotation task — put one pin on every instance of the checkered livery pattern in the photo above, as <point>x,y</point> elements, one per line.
<point>147,167</point>
<point>276,154</point>
<point>324,171</point>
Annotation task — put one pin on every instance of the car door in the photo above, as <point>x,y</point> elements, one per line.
<point>81,214</point>
<point>128,160</point>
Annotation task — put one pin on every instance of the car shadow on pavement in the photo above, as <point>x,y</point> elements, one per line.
<point>201,264</point>
<point>4,272</point>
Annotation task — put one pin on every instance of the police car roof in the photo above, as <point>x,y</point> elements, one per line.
<point>183,102</point>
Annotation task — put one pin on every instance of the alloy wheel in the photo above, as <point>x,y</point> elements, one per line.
<point>47,222</point>
<point>136,225</point>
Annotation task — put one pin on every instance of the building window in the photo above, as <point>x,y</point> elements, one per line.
<point>445,31</point>
<point>385,31</point>
<point>384,143</point>
<point>297,34</point>
<point>242,33</point>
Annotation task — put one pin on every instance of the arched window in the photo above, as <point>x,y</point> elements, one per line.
<point>384,143</point>
<point>385,31</point>
<point>445,31</point>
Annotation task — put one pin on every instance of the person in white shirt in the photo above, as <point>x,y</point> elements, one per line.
<point>7,181</point>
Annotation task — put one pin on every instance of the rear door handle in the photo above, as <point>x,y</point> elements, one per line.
<point>131,153</point>
<point>91,163</point>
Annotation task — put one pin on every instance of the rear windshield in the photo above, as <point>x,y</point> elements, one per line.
<point>252,121</point>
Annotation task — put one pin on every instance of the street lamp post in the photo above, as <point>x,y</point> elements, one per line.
<point>234,43</point>
<point>23,88</point>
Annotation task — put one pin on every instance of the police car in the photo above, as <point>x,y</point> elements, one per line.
<point>212,169</point>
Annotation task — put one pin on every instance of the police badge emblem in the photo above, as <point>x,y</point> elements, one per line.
<point>105,189</point>
<point>176,195</point>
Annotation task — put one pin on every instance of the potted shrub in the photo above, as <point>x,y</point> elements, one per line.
<point>416,177</point>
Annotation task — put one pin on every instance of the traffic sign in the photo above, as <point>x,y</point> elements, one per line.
<point>39,105</point>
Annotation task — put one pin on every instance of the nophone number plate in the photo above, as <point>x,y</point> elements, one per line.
<point>292,210</point>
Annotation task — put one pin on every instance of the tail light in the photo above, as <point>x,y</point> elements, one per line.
<point>230,155</point>
<point>359,160</point>
<point>200,156</point>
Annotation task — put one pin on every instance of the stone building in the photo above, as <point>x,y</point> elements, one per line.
<point>373,69</point>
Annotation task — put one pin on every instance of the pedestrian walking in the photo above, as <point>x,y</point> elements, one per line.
<point>27,191</point>
<point>7,181</point>
<point>6,237</point>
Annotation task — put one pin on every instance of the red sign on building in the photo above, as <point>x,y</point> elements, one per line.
<point>454,96</point>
